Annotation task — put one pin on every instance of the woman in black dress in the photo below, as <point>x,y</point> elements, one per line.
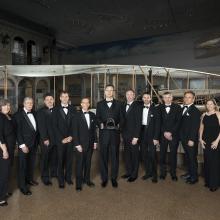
<point>210,142</point>
<point>9,140</point>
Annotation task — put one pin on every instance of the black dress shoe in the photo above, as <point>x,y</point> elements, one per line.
<point>185,176</point>
<point>9,194</point>
<point>145,177</point>
<point>131,179</point>
<point>125,176</point>
<point>192,181</point>
<point>114,183</point>
<point>174,178</point>
<point>26,192</point>
<point>154,180</point>
<point>104,184</point>
<point>90,184</point>
<point>61,185</point>
<point>47,183</point>
<point>78,189</point>
<point>206,185</point>
<point>32,183</point>
<point>3,203</point>
<point>162,177</point>
<point>69,182</point>
<point>213,189</point>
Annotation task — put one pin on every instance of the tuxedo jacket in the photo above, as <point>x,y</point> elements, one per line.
<point>189,126</point>
<point>26,134</point>
<point>170,122</point>
<point>132,120</point>
<point>84,135</point>
<point>152,129</point>
<point>45,125</point>
<point>62,123</point>
<point>103,112</point>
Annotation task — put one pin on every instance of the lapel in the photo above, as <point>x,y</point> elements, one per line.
<point>149,114</point>
<point>28,120</point>
<point>129,109</point>
<point>84,119</point>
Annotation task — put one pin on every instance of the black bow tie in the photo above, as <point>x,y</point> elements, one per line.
<point>108,101</point>
<point>29,113</point>
<point>128,104</point>
<point>186,106</point>
<point>167,106</point>
<point>146,107</point>
<point>85,112</point>
<point>65,107</point>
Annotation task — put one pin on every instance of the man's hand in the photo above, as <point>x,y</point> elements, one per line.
<point>25,149</point>
<point>5,154</point>
<point>47,142</point>
<point>168,135</point>
<point>79,148</point>
<point>134,141</point>
<point>69,139</point>
<point>190,143</point>
<point>95,146</point>
<point>101,126</point>
<point>156,142</point>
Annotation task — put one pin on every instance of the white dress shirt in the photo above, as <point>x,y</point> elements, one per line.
<point>185,109</point>
<point>33,122</point>
<point>87,116</point>
<point>109,103</point>
<point>167,108</point>
<point>145,114</point>
<point>128,105</point>
<point>65,108</point>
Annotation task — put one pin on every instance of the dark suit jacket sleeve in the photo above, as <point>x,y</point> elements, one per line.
<point>121,117</point>
<point>98,114</point>
<point>138,117</point>
<point>177,120</point>
<point>157,123</point>
<point>95,128</point>
<point>194,130</point>
<point>42,125</point>
<point>75,127</point>
<point>55,122</point>
<point>20,138</point>
<point>2,140</point>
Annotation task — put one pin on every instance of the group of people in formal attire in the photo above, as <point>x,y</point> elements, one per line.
<point>62,132</point>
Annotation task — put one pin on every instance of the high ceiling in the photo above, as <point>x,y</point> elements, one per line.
<point>88,22</point>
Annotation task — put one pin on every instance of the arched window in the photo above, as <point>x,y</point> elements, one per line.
<point>18,51</point>
<point>32,53</point>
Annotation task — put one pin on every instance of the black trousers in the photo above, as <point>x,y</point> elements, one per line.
<point>212,166</point>
<point>65,162</point>
<point>109,144</point>
<point>131,156</point>
<point>83,165</point>
<point>191,159</point>
<point>173,145</point>
<point>4,176</point>
<point>48,162</point>
<point>26,165</point>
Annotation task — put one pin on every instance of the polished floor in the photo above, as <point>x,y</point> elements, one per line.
<point>142,200</point>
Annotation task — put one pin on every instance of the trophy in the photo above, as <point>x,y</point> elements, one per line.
<point>110,124</point>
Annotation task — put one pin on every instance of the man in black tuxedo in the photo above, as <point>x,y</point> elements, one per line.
<point>110,118</point>
<point>170,121</point>
<point>149,138</point>
<point>27,138</point>
<point>62,117</point>
<point>47,140</point>
<point>85,140</point>
<point>189,129</point>
<point>130,132</point>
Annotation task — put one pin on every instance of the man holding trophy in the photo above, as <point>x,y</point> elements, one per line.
<point>110,119</point>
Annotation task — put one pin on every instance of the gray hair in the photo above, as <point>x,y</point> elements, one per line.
<point>28,98</point>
